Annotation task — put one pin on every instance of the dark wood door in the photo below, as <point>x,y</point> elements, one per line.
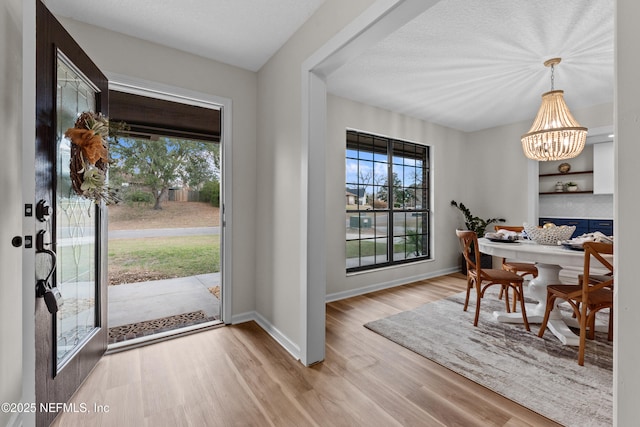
<point>70,253</point>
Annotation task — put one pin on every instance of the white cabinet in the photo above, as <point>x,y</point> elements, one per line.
<point>603,168</point>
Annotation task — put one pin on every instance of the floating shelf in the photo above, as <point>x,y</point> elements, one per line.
<point>568,192</point>
<point>565,174</point>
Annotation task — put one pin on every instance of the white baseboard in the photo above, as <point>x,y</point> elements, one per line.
<point>386,285</point>
<point>274,332</point>
<point>291,347</point>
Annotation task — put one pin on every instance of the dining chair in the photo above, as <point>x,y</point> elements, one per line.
<point>482,278</point>
<point>592,294</point>
<point>520,268</point>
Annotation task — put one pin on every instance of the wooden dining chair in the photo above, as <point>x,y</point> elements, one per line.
<point>520,268</point>
<point>482,278</point>
<point>592,294</point>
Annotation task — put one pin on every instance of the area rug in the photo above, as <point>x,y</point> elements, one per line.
<point>538,373</point>
<point>149,327</point>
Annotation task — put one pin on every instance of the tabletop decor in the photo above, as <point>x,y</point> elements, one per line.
<point>90,157</point>
<point>549,235</point>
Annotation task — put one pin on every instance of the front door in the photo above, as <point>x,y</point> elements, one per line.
<point>70,248</point>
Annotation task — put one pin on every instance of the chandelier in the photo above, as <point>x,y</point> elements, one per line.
<point>555,134</point>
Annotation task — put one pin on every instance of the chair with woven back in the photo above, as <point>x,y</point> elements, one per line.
<point>482,278</point>
<point>593,293</point>
<point>521,268</point>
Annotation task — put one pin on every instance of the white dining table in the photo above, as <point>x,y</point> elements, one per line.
<point>549,261</point>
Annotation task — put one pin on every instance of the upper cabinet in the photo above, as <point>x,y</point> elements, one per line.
<point>603,168</point>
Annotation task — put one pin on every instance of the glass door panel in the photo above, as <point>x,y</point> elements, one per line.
<point>76,231</point>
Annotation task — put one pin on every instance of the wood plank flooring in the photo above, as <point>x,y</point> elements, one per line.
<point>237,375</point>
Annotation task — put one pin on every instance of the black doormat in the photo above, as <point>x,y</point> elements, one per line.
<point>150,327</point>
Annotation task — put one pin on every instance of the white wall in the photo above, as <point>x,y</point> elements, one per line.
<point>11,291</point>
<point>447,148</point>
<point>278,244</point>
<point>626,373</point>
<point>132,57</point>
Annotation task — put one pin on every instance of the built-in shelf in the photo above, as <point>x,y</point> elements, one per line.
<point>584,182</point>
<point>567,192</point>
<point>564,174</point>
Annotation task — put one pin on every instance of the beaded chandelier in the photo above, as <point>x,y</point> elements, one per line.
<point>555,134</point>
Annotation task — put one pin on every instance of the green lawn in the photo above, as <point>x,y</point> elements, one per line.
<point>167,256</point>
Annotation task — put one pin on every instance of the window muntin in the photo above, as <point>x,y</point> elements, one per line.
<point>387,203</point>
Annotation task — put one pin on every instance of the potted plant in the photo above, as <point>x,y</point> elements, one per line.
<point>572,186</point>
<point>479,225</point>
<point>475,223</point>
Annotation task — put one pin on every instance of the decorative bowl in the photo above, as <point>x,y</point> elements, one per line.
<point>549,235</point>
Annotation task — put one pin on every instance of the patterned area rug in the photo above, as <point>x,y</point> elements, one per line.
<point>538,373</point>
<point>149,327</point>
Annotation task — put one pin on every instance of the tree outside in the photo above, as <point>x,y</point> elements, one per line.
<point>155,165</point>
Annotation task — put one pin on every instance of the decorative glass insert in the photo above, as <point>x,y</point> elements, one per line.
<point>76,223</point>
<point>387,201</point>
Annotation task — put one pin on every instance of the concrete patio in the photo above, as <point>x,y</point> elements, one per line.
<point>138,302</point>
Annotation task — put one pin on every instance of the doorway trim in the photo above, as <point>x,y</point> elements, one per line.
<point>165,92</point>
<point>378,21</point>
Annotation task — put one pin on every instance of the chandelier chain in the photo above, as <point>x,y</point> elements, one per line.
<point>552,76</point>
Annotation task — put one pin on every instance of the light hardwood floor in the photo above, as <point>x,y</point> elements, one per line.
<point>237,375</point>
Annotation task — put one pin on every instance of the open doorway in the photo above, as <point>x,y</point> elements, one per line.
<point>165,234</point>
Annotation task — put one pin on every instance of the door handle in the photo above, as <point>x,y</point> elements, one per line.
<point>51,294</point>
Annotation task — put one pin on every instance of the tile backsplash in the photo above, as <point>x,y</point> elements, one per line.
<point>596,206</point>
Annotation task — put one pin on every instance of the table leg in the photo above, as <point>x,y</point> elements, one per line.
<point>537,289</point>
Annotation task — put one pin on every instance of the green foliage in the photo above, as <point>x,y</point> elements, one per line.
<point>137,196</point>
<point>475,223</point>
<point>169,256</point>
<point>210,193</point>
<point>158,164</point>
<point>401,196</point>
<point>414,243</point>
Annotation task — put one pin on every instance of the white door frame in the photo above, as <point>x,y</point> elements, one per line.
<point>156,90</point>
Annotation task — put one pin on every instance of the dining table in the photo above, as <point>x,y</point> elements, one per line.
<point>549,261</point>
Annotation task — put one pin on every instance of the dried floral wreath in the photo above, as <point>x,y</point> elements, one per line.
<point>90,157</point>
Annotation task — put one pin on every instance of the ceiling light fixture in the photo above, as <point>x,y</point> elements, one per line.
<point>555,134</point>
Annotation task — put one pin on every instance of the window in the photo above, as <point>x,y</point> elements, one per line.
<point>387,201</point>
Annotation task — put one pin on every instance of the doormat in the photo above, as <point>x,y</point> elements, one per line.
<point>150,327</point>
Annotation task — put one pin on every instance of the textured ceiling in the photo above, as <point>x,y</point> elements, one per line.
<point>465,64</point>
<point>244,33</point>
<point>471,65</point>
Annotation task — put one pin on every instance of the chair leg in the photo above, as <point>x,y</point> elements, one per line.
<point>478,298</point>
<point>522,306</point>
<point>583,333</point>
<point>591,322</point>
<point>505,288</point>
<point>466,300</point>
<point>550,301</point>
